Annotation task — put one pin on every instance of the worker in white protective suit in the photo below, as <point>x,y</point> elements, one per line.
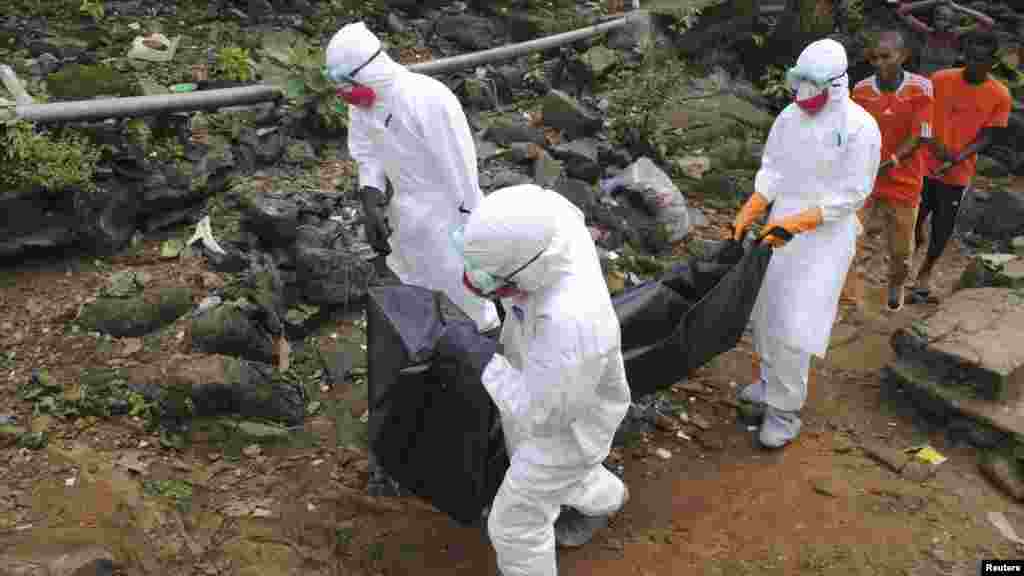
<point>818,168</point>
<point>559,382</point>
<point>410,129</point>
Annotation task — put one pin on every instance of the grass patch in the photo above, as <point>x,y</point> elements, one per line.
<point>178,491</point>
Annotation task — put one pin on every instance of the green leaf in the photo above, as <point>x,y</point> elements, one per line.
<point>295,88</point>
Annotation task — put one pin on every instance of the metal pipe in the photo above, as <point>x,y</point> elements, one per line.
<point>515,50</point>
<point>101,109</point>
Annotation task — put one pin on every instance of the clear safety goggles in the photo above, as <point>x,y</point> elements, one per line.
<point>483,283</point>
<point>346,80</point>
<point>795,77</point>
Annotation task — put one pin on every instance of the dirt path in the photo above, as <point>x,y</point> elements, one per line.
<point>719,505</point>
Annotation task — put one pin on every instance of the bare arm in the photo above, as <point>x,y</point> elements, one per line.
<point>904,12</point>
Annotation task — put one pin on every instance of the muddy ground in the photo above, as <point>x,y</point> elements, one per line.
<point>227,504</point>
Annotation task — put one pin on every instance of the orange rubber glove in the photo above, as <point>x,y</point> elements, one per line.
<point>794,224</point>
<point>752,210</point>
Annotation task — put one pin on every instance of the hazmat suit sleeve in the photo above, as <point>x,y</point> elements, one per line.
<point>858,169</point>
<point>770,175</point>
<point>371,171</point>
<point>536,397</point>
<point>451,141</point>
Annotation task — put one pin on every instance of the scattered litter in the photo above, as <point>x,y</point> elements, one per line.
<point>205,233</point>
<point>365,417</point>
<point>998,519</point>
<point>135,26</point>
<point>732,384</point>
<point>663,453</point>
<point>318,461</point>
<point>310,507</point>
<point>927,454</point>
<point>682,435</point>
<point>183,87</point>
<point>262,513</point>
<point>154,48</point>
<point>143,444</point>
<point>751,428</point>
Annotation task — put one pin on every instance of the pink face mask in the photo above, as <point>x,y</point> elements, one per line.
<point>811,99</point>
<point>358,95</point>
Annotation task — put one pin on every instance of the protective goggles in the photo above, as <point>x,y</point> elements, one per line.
<point>483,283</point>
<point>347,80</point>
<point>795,77</point>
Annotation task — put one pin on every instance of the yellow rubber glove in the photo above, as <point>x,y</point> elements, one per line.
<point>794,224</point>
<point>752,210</point>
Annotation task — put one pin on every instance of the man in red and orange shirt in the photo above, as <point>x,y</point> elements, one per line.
<point>970,106</point>
<point>901,102</point>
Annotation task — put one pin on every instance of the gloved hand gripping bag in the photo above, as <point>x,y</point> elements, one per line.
<point>428,420</point>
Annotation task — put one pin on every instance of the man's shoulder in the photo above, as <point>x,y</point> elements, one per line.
<point>917,85</point>
<point>862,122</point>
<point>998,89</point>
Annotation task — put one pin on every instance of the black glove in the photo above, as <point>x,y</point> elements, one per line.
<point>465,350</point>
<point>377,229</point>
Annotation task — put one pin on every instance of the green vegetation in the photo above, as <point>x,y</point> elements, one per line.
<point>97,394</point>
<point>56,161</point>
<point>81,82</point>
<point>234,63</point>
<point>294,65</point>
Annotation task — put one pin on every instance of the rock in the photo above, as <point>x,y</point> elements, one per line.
<point>90,561</point>
<point>546,170</point>
<point>580,193</point>
<point>998,270</point>
<point>601,60</point>
<point>969,343</point>
<point>233,329</point>
<point>580,158</point>
<point>702,120</point>
<point>109,216</point>
<point>218,385</point>
<point>1004,472</point>
<point>1002,216</point>
<point>609,155</point>
<point>470,32</point>
<point>700,422</point>
<point>565,113</point>
<point>37,219</point>
<point>332,277</point>
<point>137,315</point>
<point>892,458</point>
<point>259,9</point>
<point>509,129</point>
<point>44,65</point>
<point>271,217</point>
<point>502,178</point>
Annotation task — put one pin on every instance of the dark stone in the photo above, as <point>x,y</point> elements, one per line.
<point>580,193</point>
<point>509,129</point>
<point>332,277</point>
<point>469,32</point>
<point>37,219</point>
<point>109,215</point>
<point>580,158</point>
<point>232,330</point>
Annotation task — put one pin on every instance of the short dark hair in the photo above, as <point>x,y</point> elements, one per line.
<point>881,33</point>
<point>984,38</point>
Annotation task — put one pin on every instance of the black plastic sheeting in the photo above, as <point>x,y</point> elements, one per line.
<point>425,425</point>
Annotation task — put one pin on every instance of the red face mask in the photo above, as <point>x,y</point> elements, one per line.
<point>358,95</point>
<point>814,104</point>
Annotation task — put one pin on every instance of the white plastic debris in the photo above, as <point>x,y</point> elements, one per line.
<point>164,53</point>
<point>663,453</point>
<point>205,233</point>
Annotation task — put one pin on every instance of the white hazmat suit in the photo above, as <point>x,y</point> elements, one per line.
<point>416,135</point>
<point>560,382</point>
<point>826,160</point>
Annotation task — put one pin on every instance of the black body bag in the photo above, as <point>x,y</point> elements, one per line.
<point>438,434</point>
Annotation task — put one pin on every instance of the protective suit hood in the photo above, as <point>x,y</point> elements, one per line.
<point>501,235</point>
<point>824,61</point>
<point>354,45</point>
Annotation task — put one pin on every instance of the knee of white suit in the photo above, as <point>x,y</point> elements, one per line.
<point>785,372</point>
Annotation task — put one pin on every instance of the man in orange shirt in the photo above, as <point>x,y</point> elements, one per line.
<point>901,102</point>
<point>970,105</point>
